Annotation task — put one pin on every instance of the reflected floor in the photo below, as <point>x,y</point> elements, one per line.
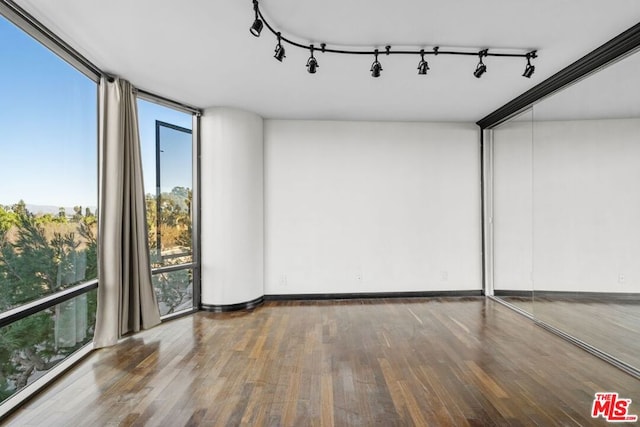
<point>522,302</point>
<point>612,326</point>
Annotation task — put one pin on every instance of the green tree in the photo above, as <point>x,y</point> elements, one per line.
<point>20,208</point>
<point>27,265</point>
<point>62,214</point>
<point>32,266</point>
<point>8,219</point>
<point>152,210</point>
<point>87,228</point>
<point>77,213</point>
<point>175,219</point>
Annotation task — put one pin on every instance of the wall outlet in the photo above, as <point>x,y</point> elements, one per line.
<point>283,280</point>
<point>620,278</point>
<point>444,275</point>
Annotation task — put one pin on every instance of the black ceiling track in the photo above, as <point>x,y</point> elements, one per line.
<point>608,52</point>
<point>260,22</point>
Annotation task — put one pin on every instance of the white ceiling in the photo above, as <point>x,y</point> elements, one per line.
<point>201,53</point>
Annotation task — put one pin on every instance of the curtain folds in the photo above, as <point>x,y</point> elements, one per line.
<point>126,299</point>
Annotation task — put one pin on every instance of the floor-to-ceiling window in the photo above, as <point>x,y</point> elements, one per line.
<point>48,204</point>
<point>167,142</point>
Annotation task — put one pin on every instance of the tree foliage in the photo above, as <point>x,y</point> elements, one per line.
<point>35,261</point>
<point>175,219</point>
<point>170,244</point>
<point>8,219</point>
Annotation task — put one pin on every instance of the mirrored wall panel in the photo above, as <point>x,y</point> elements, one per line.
<point>586,196</point>
<point>567,210</point>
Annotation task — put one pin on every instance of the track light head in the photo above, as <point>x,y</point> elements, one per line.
<point>256,28</point>
<point>529,69</point>
<point>423,66</point>
<point>257,25</point>
<point>481,68</point>
<point>312,63</point>
<point>376,67</point>
<point>279,51</point>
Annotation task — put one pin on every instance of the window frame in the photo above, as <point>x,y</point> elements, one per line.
<point>194,265</point>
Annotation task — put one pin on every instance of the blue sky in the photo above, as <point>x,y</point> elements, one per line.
<point>48,123</point>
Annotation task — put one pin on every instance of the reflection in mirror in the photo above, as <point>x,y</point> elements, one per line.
<point>512,211</point>
<point>586,210</point>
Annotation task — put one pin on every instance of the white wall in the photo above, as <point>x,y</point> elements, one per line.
<point>231,207</point>
<point>580,194</point>
<point>371,207</point>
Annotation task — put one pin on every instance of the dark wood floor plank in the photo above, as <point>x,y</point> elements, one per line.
<point>439,361</point>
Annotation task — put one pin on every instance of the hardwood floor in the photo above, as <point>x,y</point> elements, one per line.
<point>448,361</point>
<point>611,326</point>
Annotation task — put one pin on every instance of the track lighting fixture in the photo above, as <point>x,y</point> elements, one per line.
<point>423,66</point>
<point>256,28</point>
<point>481,68</point>
<point>312,63</point>
<point>279,50</point>
<point>529,69</point>
<point>376,68</point>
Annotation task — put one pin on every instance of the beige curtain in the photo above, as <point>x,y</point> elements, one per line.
<point>126,299</point>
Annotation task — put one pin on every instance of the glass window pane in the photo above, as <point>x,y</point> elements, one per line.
<point>167,163</point>
<point>48,133</point>
<point>175,196</point>
<point>174,291</point>
<point>32,346</point>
